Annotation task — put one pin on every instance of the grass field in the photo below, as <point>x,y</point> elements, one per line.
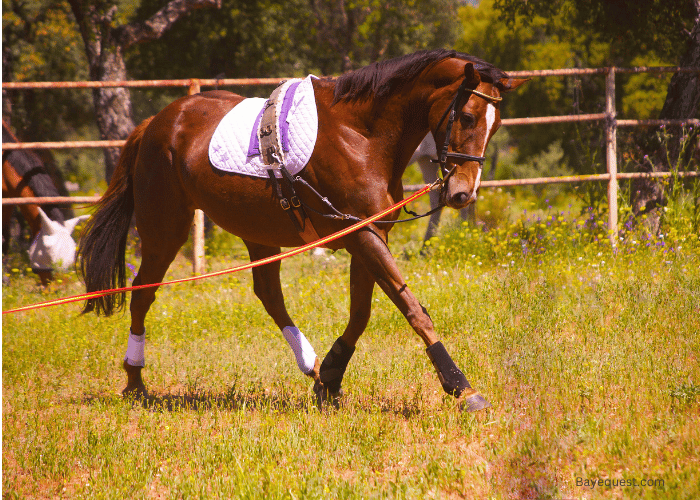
<point>588,355</point>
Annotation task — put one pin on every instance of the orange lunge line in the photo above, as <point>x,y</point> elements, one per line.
<point>250,265</point>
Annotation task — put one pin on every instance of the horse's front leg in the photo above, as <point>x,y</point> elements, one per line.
<point>336,361</point>
<point>369,248</point>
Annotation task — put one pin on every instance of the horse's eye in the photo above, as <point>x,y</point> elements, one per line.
<point>468,120</point>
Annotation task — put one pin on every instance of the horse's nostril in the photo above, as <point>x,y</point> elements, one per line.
<point>460,198</point>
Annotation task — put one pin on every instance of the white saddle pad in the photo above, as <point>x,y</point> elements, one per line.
<point>234,146</point>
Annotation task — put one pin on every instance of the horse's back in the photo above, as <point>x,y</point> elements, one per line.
<point>211,101</point>
<point>184,128</point>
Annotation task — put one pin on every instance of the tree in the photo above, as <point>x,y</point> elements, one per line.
<point>264,38</point>
<point>542,43</point>
<point>30,52</point>
<point>294,37</point>
<point>353,34</point>
<point>283,38</point>
<point>106,39</point>
<point>668,28</point>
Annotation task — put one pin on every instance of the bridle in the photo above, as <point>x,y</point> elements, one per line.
<point>451,110</point>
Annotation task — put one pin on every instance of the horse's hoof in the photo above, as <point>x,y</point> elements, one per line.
<point>474,402</point>
<point>324,397</point>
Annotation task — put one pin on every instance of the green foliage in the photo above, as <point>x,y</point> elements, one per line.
<point>241,39</point>
<point>40,43</point>
<point>635,26</point>
<point>643,94</point>
<point>271,38</point>
<point>389,29</point>
<point>544,35</point>
<point>540,43</point>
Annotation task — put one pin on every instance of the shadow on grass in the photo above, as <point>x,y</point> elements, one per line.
<point>261,399</point>
<point>198,400</point>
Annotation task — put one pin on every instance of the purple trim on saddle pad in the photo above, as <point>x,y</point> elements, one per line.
<point>287,101</point>
<point>284,112</point>
<point>254,146</point>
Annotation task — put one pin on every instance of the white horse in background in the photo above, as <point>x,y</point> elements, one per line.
<point>425,152</point>
<point>53,247</point>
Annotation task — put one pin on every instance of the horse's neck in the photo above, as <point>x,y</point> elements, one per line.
<point>395,126</point>
<point>406,119</point>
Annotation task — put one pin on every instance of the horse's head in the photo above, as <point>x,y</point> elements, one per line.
<point>54,247</point>
<point>463,118</point>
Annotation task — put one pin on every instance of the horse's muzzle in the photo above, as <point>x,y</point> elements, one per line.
<point>459,193</point>
<point>461,199</point>
<point>460,189</point>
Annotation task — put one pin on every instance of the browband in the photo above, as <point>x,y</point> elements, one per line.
<point>486,96</point>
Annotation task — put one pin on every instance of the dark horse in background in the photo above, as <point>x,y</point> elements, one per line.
<point>370,123</point>
<point>425,155</point>
<point>26,175</point>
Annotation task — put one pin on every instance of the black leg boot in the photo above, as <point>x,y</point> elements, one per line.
<point>453,380</point>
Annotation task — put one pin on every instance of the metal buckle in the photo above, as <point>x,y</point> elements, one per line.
<point>295,202</point>
<point>285,204</point>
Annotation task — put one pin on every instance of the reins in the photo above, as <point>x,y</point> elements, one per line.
<point>338,215</point>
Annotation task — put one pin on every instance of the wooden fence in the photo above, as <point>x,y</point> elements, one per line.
<point>609,118</point>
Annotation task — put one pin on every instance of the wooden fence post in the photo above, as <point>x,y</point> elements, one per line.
<point>198,260</point>
<point>611,152</point>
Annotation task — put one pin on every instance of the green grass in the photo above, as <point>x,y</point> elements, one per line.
<point>588,354</point>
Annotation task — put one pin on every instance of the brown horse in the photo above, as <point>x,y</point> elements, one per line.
<point>369,123</point>
<point>26,175</point>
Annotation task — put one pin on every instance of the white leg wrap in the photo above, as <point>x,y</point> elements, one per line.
<point>134,350</point>
<point>305,354</point>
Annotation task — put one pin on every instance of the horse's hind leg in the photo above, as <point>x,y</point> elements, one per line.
<point>162,234</point>
<point>268,288</point>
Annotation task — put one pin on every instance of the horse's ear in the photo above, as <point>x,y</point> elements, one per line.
<point>470,74</point>
<point>509,84</point>
<point>47,225</point>
<point>71,223</point>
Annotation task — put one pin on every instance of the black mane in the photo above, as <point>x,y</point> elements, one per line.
<point>380,78</point>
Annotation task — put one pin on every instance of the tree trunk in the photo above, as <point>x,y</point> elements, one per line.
<point>105,45</point>
<point>112,105</point>
<point>336,26</point>
<point>662,153</point>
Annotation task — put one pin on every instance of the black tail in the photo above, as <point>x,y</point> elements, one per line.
<point>103,243</point>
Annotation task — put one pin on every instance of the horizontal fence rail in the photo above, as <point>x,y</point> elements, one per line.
<point>409,188</point>
<point>609,118</point>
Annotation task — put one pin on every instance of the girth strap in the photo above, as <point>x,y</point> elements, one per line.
<point>268,133</point>
<point>292,206</point>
